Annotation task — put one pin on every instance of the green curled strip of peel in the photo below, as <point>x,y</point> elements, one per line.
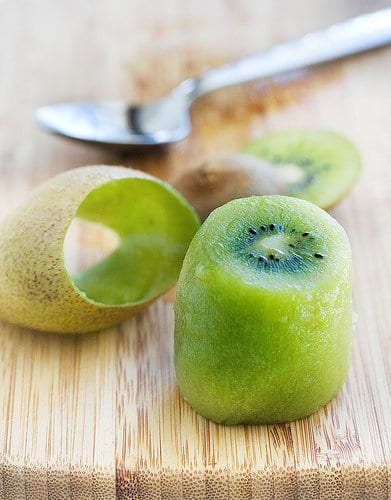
<point>154,225</point>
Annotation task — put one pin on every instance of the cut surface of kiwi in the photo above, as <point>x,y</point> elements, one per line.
<point>263,318</point>
<point>319,166</point>
<point>152,222</point>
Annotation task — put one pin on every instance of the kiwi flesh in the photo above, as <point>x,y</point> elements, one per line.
<point>319,166</point>
<point>263,318</point>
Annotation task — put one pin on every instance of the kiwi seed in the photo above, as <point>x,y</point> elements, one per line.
<point>294,250</point>
<point>306,161</point>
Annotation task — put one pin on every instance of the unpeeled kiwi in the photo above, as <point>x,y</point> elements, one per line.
<point>316,165</point>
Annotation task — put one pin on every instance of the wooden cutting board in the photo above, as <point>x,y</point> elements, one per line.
<point>100,415</point>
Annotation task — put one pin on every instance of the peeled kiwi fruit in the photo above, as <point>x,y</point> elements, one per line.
<point>316,165</point>
<point>154,226</point>
<point>263,314</point>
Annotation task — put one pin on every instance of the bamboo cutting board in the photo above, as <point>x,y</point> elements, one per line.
<point>98,416</point>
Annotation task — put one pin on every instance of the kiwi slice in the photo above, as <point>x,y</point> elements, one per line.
<point>319,166</point>
<point>263,318</point>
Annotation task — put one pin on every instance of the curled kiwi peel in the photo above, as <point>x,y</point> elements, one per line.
<point>154,225</point>
<point>319,166</point>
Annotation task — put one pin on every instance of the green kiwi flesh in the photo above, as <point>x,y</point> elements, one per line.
<point>263,317</point>
<point>319,166</point>
<point>154,226</point>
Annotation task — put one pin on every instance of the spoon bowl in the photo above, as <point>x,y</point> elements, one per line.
<point>116,123</point>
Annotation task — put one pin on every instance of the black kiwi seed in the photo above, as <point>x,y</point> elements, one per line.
<point>310,178</point>
<point>295,257</point>
<point>306,161</point>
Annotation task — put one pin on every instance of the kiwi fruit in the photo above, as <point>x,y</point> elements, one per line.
<point>263,314</point>
<point>224,178</point>
<point>154,225</point>
<point>319,166</point>
<point>315,165</point>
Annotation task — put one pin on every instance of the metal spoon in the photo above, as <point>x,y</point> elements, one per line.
<point>167,120</point>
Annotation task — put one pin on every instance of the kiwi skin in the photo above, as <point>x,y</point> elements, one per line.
<point>225,178</point>
<point>248,350</point>
<point>35,288</point>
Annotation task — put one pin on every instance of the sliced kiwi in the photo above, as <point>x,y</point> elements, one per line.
<point>263,317</point>
<point>319,166</point>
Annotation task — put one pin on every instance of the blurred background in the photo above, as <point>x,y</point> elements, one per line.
<point>136,50</point>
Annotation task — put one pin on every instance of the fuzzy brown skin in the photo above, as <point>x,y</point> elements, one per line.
<point>35,288</point>
<point>226,178</point>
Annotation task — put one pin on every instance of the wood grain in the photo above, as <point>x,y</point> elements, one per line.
<point>99,416</point>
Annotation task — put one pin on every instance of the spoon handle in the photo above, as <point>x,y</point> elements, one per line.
<point>339,40</point>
